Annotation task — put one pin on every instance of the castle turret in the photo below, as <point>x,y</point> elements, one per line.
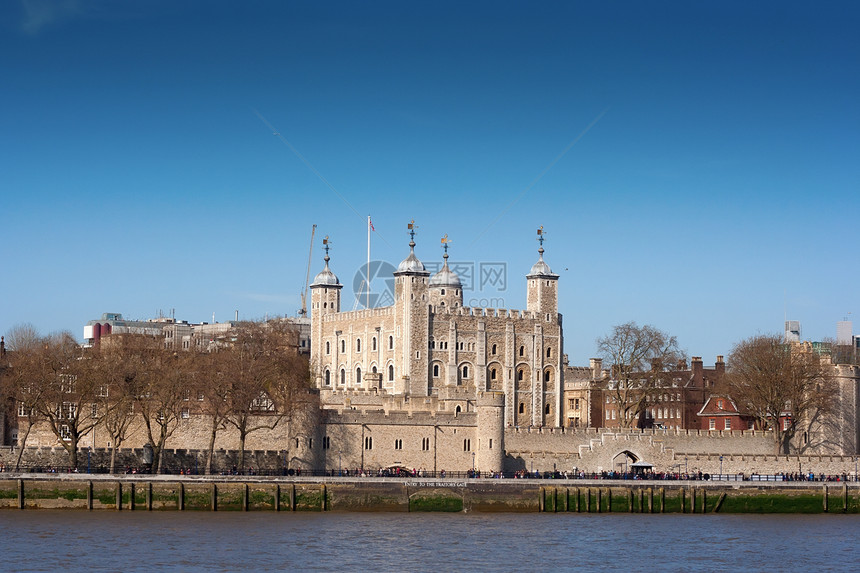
<point>490,456</point>
<point>446,290</point>
<point>325,300</point>
<point>542,297</point>
<point>412,315</point>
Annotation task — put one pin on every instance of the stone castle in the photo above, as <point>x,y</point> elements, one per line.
<point>427,383</point>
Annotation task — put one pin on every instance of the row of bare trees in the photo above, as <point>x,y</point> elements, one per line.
<point>249,380</point>
<point>781,386</point>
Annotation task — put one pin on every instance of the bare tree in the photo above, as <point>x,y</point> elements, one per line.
<point>57,382</point>
<point>641,358</point>
<point>159,393</point>
<point>261,371</point>
<point>781,385</point>
<point>213,394</point>
<point>22,337</point>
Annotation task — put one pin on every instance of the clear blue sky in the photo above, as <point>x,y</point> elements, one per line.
<point>711,184</point>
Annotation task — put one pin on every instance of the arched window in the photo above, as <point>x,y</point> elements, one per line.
<point>492,373</point>
<point>494,350</point>
<point>358,375</point>
<point>328,347</point>
<point>458,409</point>
<point>342,376</point>
<point>465,371</point>
<point>327,377</point>
<point>343,345</point>
<point>373,343</point>
<point>546,376</point>
<point>390,343</point>
<point>519,374</point>
<point>435,371</point>
<point>358,345</point>
<point>373,369</point>
<point>522,408</point>
<point>391,372</point>
<point>549,352</point>
<point>522,350</point>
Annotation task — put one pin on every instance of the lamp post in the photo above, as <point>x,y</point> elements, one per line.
<point>339,466</point>
<point>89,457</point>
<point>721,467</point>
<point>473,464</point>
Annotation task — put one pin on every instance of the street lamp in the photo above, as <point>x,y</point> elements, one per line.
<point>473,464</point>
<point>721,467</point>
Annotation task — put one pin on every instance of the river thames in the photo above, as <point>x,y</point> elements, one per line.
<point>143,541</point>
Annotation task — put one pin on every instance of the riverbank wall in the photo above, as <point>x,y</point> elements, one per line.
<point>242,493</point>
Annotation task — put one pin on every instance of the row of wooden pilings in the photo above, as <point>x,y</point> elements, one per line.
<point>180,496</point>
<point>639,500</point>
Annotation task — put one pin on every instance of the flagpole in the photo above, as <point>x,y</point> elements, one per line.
<point>367,272</point>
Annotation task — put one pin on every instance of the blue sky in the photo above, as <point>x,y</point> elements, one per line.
<point>695,165</point>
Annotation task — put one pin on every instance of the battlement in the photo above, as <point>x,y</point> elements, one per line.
<point>401,418</point>
<point>364,313</point>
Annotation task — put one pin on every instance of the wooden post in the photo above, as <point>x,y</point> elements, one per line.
<point>20,494</point>
<point>323,500</point>
<point>180,497</point>
<point>825,498</point>
<point>131,497</point>
<point>662,500</point>
<point>149,496</point>
<point>213,497</point>
<point>608,500</point>
<point>683,496</point>
<point>599,500</point>
<point>576,493</point>
<point>588,500</point>
<point>845,498</point>
<point>704,501</point>
<point>244,497</point>
<point>650,500</point>
<point>119,496</point>
<point>89,495</point>
<point>541,500</point>
<point>566,499</point>
<point>641,501</point>
<point>630,500</point>
<point>277,497</point>
<point>293,497</point>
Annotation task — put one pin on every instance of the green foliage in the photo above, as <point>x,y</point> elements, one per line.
<point>436,503</point>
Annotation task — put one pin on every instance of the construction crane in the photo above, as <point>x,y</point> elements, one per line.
<point>304,311</point>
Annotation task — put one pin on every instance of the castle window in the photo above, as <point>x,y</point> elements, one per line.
<point>373,343</point>
<point>465,371</point>
<point>491,443</point>
<point>343,345</point>
<point>546,410</point>
<point>467,445</point>
<point>328,347</point>
<point>443,292</point>
<point>546,376</point>
<point>398,444</point>
<point>435,371</point>
<point>358,345</point>
<point>461,346</point>
<point>549,352</point>
<point>494,350</point>
<point>390,343</point>
<point>522,408</point>
<point>368,443</point>
<point>519,375</point>
<point>728,424</point>
<point>458,409</point>
<point>425,444</point>
<point>326,442</point>
<point>492,373</point>
<point>522,350</point>
<point>358,375</point>
<point>327,377</point>
<point>325,305</point>
<point>391,373</point>
<point>342,376</point>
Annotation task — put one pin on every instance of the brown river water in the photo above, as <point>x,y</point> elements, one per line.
<point>190,541</point>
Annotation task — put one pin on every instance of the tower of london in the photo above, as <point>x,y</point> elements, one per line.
<point>427,346</point>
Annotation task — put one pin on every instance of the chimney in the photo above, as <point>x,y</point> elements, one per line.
<point>596,367</point>
<point>719,366</point>
<point>698,370</point>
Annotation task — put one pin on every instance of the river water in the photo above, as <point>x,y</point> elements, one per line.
<point>201,541</point>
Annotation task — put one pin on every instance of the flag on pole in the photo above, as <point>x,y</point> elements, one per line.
<point>369,222</point>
